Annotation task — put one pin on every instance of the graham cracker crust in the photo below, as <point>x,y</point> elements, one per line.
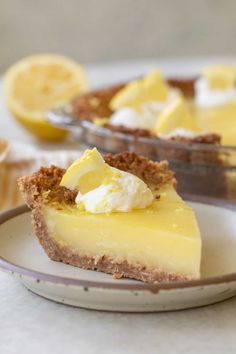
<point>95,103</point>
<point>47,180</point>
<point>137,132</point>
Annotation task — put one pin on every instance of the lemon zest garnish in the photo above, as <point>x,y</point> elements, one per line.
<point>38,83</point>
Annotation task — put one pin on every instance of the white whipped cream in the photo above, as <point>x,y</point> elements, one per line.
<point>187,133</point>
<point>146,118</point>
<point>130,118</point>
<point>208,97</point>
<point>123,192</point>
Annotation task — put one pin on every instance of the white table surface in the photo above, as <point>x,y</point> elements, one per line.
<point>30,324</point>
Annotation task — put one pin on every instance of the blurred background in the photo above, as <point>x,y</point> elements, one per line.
<point>105,30</point>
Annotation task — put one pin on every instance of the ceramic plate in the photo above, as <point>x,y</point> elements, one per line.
<point>22,256</point>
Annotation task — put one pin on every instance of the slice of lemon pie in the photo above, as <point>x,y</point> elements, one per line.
<point>119,214</point>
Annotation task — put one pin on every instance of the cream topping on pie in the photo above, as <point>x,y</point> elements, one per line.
<point>102,188</point>
<point>123,192</point>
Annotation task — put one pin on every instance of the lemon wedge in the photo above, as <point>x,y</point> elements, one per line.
<point>176,115</point>
<point>148,89</point>
<point>220,77</point>
<point>38,83</point>
<point>86,173</point>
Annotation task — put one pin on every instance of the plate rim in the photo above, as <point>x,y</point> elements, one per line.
<point>86,284</point>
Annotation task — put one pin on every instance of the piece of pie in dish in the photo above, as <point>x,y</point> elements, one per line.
<point>119,214</point>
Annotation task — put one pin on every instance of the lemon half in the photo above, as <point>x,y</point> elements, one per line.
<point>36,84</point>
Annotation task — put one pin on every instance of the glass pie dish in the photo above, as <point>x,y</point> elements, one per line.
<point>202,167</point>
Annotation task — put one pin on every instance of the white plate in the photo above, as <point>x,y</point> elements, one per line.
<point>23,257</point>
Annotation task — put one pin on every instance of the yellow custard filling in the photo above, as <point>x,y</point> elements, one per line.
<point>164,235</point>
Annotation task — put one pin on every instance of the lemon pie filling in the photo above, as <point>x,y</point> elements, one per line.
<point>163,236</point>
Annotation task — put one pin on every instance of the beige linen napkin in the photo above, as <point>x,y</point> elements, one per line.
<point>17,159</point>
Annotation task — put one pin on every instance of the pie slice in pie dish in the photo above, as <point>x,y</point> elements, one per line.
<point>119,215</point>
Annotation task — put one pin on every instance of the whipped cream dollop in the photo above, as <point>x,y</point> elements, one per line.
<point>146,117</point>
<point>205,96</point>
<point>186,133</point>
<point>121,192</point>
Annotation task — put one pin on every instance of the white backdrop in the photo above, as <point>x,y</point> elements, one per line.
<point>98,30</point>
